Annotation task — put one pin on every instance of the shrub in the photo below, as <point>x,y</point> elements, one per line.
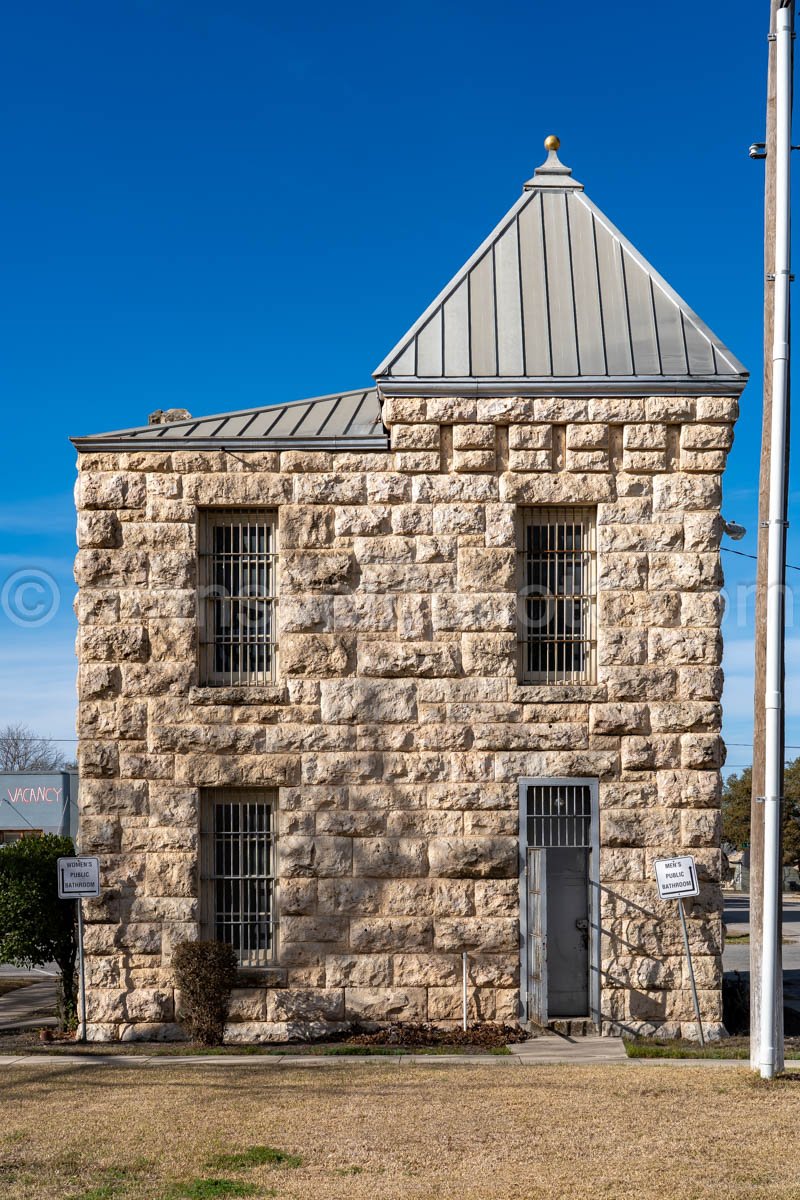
<point>205,973</point>
<point>35,926</point>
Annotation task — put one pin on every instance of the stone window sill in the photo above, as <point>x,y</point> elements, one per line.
<point>272,693</point>
<point>557,693</point>
<point>260,977</point>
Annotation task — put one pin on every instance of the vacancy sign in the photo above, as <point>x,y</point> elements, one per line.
<point>676,877</point>
<point>78,877</point>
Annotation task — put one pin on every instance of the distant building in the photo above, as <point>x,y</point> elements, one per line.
<point>34,802</point>
<point>375,678</point>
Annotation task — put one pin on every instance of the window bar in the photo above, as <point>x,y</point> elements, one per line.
<point>240,873</point>
<point>558,570</point>
<point>237,571</point>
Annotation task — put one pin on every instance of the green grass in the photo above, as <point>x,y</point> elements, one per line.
<point>743,939</point>
<point>209,1189</point>
<point>382,1051</point>
<point>635,1048</point>
<point>117,1182</point>
<point>254,1156</point>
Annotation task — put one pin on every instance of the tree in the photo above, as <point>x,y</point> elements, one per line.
<point>736,811</point>
<point>23,750</point>
<point>35,926</point>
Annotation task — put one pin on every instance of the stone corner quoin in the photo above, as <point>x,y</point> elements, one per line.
<point>396,730</point>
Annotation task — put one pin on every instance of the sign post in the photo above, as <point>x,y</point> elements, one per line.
<point>79,877</point>
<point>676,878</point>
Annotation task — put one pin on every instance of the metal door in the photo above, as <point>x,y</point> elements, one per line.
<point>537,940</point>
<point>567,908</point>
<point>558,822</point>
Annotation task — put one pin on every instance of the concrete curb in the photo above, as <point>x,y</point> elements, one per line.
<point>293,1061</point>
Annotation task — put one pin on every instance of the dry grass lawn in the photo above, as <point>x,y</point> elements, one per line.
<point>389,1132</point>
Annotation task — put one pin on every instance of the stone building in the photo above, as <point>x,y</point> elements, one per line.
<point>373,679</point>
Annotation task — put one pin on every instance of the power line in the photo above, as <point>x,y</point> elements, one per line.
<point>742,554</point>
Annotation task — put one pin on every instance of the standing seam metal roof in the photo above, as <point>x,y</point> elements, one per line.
<point>342,421</point>
<point>556,299</point>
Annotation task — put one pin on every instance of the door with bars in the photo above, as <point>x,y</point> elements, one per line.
<point>559,864</point>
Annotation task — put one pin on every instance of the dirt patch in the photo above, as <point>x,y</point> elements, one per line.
<point>485,1035</point>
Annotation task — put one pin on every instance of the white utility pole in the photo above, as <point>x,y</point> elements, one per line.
<point>770,1055</point>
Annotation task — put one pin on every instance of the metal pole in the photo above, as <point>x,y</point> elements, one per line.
<point>464,1002</point>
<point>82,974</point>
<point>691,974</point>
<point>760,633</point>
<point>776,560</point>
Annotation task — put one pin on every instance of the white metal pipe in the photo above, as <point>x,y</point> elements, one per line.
<point>776,565</point>
<point>464,998</point>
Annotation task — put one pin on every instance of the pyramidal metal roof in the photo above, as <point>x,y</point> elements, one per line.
<point>557,300</point>
<point>341,421</point>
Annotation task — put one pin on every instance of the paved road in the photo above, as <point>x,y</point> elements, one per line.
<point>737,920</point>
<point>31,1006</point>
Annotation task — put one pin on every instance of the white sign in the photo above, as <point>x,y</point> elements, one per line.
<point>78,877</point>
<point>676,877</point>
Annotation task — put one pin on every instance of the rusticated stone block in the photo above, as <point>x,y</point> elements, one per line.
<point>368,614</point>
<point>702,750</point>
<point>486,570</point>
<point>376,935</point>
<point>385,1004</point>
<point>418,436</point>
<point>306,526</point>
<point>321,571</point>
<point>387,858</point>
<point>315,857</point>
<point>171,874</point>
<point>677,646</point>
<point>426,970</point>
<point>490,654</point>
<point>686,492</point>
<point>488,935</point>
<point>99,529</point>
<point>313,1004</point>
<point>315,655</point>
<point>618,718</point>
<point>361,700</point>
<point>473,858</point>
<point>414,659</point>
<point>358,970</point>
<point>110,490</point>
<point>477,613</point>
<point>122,643</point>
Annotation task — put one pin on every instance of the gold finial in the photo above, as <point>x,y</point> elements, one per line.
<point>552,142</point>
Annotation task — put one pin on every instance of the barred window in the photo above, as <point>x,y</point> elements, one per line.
<point>559,815</point>
<point>237,596</point>
<point>558,568</point>
<point>238,873</point>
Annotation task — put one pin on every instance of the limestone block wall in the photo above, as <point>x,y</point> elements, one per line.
<point>396,731</point>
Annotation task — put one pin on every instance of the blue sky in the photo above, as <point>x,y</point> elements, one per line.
<point>218,205</point>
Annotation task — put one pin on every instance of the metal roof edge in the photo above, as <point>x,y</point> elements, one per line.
<point>452,284</point>
<point>224,416</point>
<point>657,385</point>
<point>115,444</point>
<point>658,279</point>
